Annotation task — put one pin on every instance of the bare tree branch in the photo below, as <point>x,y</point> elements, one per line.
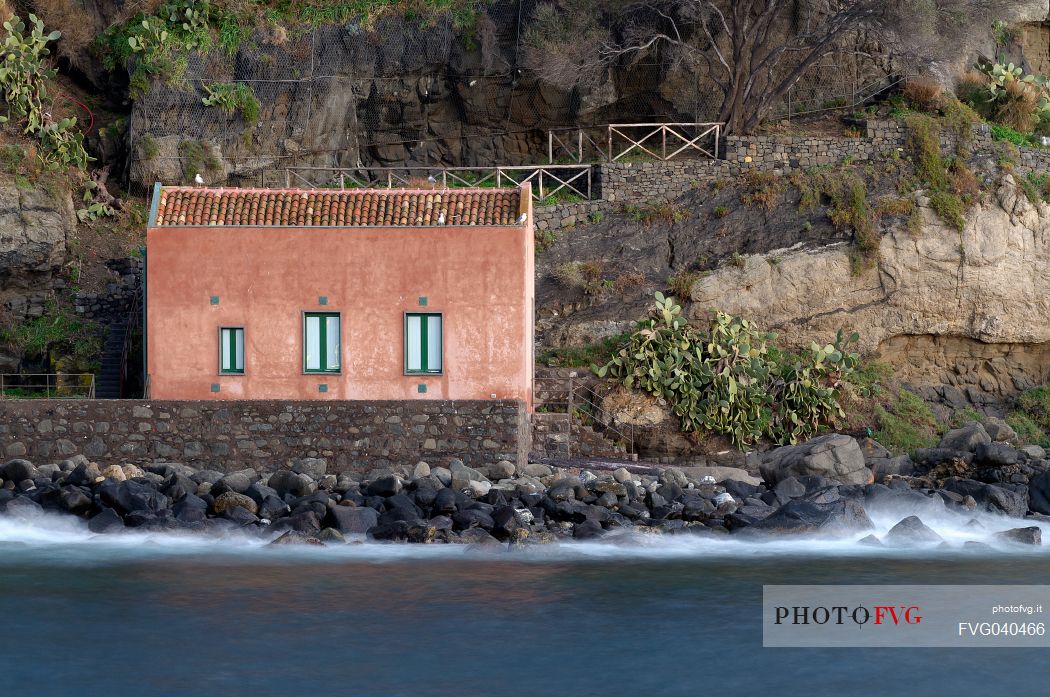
<point>754,51</point>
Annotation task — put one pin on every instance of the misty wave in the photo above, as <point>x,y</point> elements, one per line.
<point>66,539</point>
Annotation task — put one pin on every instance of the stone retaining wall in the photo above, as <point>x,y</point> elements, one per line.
<point>227,435</point>
<point>569,215</point>
<point>114,303</point>
<point>647,181</point>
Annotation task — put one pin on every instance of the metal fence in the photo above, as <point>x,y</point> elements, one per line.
<point>47,386</point>
<point>583,406</point>
<point>844,80</point>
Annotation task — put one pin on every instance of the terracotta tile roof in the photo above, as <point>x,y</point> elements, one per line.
<point>200,207</point>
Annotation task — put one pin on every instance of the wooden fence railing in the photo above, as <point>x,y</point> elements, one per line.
<point>612,142</point>
<point>550,183</point>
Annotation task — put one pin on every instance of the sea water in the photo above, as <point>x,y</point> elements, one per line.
<point>162,614</point>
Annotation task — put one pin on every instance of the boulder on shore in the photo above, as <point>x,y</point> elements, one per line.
<point>835,456</point>
<point>801,517</point>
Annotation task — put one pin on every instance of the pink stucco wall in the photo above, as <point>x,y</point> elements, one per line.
<point>480,278</point>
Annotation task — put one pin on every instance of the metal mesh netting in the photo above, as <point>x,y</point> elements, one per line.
<point>401,93</point>
<point>841,79</point>
<point>396,93</point>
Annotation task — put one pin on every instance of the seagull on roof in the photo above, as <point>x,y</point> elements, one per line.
<point>522,218</point>
<point>198,179</point>
<point>441,218</point>
<point>431,179</point>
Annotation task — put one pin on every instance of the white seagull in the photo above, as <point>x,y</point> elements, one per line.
<point>198,179</point>
<point>441,218</point>
<point>431,179</point>
<point>522,218</point>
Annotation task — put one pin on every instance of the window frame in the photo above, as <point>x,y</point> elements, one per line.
<point>323,339</point>
<point>423,335</point>
<point>244,356</point>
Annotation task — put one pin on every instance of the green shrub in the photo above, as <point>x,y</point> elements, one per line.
<point>58,330</point>
<point>848,209</point>
<point>1036,404</point>
<point>925,145</point>
<point>907,424</point>
<point>941,181</point>
<point>150,149</point>
<point>569,274</point>
<point>197,157</point>
<point>544,240</point>
<point>949,208</point>
<point>12,157</point>
<point>761,188</point>
<point>1027,430</point>
<point>867,380</point>
<point>1035,186</point>
<point>581,356</point>
<point>154,44</point>
<point>964,416</point>
<point>730,379</point>
<point>584,275</point>
<point>1009,135</point>
<point>233,97</point>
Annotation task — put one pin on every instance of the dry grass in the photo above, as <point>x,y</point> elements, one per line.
<point>629,281</point>
<point>78,30</point>
<point>681,284</point>
<point>964,181</point>
<point>130,9</point>
<point>894,206</point>
<point>584,275</point>
<point>924,94</point>
<point>569,275</point>
<point>763,189</point>
<point>1019,109</point>
<point>971,87</point>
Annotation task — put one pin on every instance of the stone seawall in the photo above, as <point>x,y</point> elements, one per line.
<point>228,436</point>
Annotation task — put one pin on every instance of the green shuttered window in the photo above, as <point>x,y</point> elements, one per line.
<point>231,350</point>
<point>423,345</point>
<point>321,352</point>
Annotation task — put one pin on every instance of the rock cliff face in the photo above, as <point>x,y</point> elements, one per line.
<point>969,310</point>
<point>35,226</point>
<point>394,94</point>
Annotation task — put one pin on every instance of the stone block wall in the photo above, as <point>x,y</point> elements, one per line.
<point>1035,160</point>
<point>351,436</point>
<point>570,215</point>
<point>114,302</point>
<point>788,153</point>
<point>649,181</point>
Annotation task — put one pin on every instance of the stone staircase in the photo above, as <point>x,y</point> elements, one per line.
<point>559,434</point>
<point>107,384</point>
